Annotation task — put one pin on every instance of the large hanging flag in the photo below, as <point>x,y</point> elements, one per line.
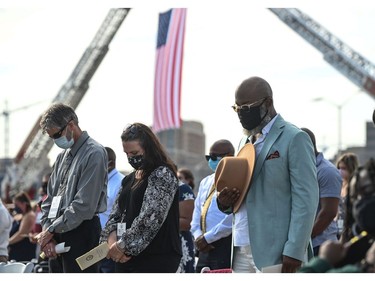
<point>168,70</point>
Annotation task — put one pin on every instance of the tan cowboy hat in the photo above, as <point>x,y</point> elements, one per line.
<point>236,171</point>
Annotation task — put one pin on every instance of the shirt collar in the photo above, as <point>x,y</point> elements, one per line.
<point>77,145</point>
<point>269,125</point>
<point>319,158</point>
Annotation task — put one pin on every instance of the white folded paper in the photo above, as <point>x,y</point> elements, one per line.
<point>59,249</point>
<point>93,256</point>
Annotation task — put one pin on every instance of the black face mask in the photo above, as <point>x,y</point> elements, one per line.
<point>136,161</point>
<point>17,210</point>
<point>250,118</point>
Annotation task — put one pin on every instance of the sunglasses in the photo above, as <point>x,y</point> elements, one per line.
<point>131,130</point>
<point>248,106</point>
<point>59,133</point>
<point>214,156</point>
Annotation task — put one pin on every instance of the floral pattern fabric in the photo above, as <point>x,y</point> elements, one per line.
<point>187,264</point>
<point>161,188</point>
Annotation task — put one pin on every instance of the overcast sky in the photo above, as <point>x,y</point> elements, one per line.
<point>40,47</point>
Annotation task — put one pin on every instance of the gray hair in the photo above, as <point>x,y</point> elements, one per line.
<point>57,116</point>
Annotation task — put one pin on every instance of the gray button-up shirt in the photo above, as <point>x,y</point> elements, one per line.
<point>86,185</point>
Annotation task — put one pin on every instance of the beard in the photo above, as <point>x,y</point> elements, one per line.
<point>258,129</point>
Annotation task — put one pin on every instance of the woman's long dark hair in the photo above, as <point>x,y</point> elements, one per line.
<point>154,153</point>
<point>358,190</point>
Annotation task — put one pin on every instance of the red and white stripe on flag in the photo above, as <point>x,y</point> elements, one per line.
<point>168,70</point>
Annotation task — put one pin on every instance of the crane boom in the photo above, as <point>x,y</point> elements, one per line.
<point>350,63</point>
<point>6,113</point>
<point>27,165</point>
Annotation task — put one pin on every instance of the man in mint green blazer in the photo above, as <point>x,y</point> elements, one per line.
<point>273,225</point>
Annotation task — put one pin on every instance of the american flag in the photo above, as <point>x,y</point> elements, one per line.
<point>168,70</point>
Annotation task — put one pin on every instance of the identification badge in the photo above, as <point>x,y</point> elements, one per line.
<point>121,228</point>
<point>55,206</point>
<point>340,223</point>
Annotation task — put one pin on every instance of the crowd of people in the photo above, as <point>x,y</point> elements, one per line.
<point>292,210</point>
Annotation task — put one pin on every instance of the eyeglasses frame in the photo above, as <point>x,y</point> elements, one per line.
<point>238,108</point>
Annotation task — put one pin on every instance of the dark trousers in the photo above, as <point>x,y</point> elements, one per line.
<point>218,258</point>
<point>164,263</point>
<point>80,240</point>
<point>55,265</point>
<point>107,266</point>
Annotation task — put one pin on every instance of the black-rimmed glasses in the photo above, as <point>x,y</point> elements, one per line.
<point>248,106</point>
<point>214,156</point>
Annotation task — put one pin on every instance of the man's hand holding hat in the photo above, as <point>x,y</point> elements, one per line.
<point>228,196</point>
<point>232,178</point>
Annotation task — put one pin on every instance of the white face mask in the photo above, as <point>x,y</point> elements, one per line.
<point>63,142</point>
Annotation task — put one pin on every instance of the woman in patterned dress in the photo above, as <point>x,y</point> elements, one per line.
<point>143,227</point>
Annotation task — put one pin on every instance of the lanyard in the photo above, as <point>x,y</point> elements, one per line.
<point>206,205</point>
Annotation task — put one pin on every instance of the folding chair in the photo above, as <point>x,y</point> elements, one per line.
<point>16,267</point>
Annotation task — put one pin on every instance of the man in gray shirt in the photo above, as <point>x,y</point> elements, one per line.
<point>76,190</point>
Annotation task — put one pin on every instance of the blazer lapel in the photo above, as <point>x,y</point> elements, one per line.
<point>272,136</point>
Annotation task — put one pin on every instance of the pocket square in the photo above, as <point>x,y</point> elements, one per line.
<point>274,155</point>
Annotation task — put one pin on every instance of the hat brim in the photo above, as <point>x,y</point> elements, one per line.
<point>236,172</point>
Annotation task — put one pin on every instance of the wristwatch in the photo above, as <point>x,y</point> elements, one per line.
<point>51,229</point>
<point>121,244</point>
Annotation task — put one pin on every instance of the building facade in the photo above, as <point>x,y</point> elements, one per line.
<point>186,146</point>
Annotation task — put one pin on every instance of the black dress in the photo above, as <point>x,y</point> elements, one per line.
<point>151,212</point>
<point>23,250</point>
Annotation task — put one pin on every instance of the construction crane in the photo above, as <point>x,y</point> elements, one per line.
<point>351,64</point>
<point>6,114</point>
<point>27,165</point>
